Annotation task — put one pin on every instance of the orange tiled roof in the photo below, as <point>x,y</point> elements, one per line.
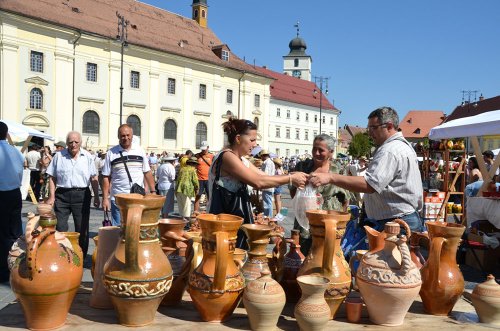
<point>418,123</point>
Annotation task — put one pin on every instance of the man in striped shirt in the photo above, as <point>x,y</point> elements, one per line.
<point>392,181</point>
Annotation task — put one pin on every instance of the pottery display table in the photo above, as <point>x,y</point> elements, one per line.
<point>479,208</point>
<point>185,317</point>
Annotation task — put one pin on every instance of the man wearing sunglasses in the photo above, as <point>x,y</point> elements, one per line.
<point>392,183</point>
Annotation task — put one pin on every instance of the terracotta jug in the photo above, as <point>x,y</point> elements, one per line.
<point>46,277</point>
<point>376,239</point>
<point>138,274</point>
<point>443,282</point>
<point>197,249</point>
<point>416,255</point>
<point>325,257</point>
<point>73,239</point>
<point>179,251</point>
<point>216,285</point>
<point>291,264</point>
<point>486,301</point>
<point>240,257</point>
<point>388,280</point>
<point>312,312</point>
<point>354,265</point>
<point>264,300</point>
<point>94,255</point>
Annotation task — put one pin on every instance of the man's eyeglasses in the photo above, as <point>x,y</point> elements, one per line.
<point>373,127</point>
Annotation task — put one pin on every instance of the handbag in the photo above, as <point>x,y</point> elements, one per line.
<point>136,188</point>
<point>107,220</point>
<point>235,203</point>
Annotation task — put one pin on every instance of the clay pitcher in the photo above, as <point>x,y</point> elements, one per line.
<point>216,285</point>
<point>443,282</point>
<point>197,249</point>
<point>326,257</point>
<point>138,274</point>
<point>291,264</point>
<point>312,312</point>
<point>179,251</point>
<point>73,239</point>
<point>376,239</point>
<point>46,277</point>
<point>416,255</point>
<point>388,280</point>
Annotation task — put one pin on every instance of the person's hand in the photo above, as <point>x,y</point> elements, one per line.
<point>106,206</point>
<point>97,202</point>
<point>318,179</point>
<point>299,179</point>
<point>50,201</point>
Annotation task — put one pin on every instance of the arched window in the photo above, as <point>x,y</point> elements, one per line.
<point>201,133</point>
<point>256,122</point>
<point>36,99</point>
<point>135,123</point>
<point>295,63</point>
<point>90,122</point>
<point>170,130</point>
<point>196,13</point>
<point>203,14</point>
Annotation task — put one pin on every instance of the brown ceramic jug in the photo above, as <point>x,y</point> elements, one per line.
<point>326,258</point>
<point>94,255</point>
<point>376,239</point>
<point>73,239</point>
<point>216,285</point>
<point>486,300</point>
<point>291,264</point>
<point>138,274</point>
<point>443,282</point>
<point>46,277</point>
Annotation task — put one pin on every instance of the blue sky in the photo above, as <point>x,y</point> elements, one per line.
<point>408,54</point>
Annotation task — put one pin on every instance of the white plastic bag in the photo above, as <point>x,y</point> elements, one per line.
<point>306,199</point>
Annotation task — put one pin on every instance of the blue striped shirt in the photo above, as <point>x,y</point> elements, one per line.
<point>11,167</point>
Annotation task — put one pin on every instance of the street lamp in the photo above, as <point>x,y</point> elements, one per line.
<point>122,38</point>
<point>321,80</point>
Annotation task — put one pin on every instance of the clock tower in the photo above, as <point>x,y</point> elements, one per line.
<point>297,63</point>
<point>200,12</point>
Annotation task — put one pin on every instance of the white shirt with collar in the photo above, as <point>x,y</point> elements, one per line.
<point>269,168</point>
<point>11,167</point>
<point>72,173</point>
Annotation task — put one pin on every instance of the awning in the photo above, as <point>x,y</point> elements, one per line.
<point>484,124</point>
<point>22,132</point>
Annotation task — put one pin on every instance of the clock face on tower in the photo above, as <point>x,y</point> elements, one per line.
<point>296,73</point>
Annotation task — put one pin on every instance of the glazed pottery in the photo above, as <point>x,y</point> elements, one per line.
<point>443,282</point>
<point>216,285</point>
<point>138,275</point>
<point>416,255</point>
<point>388,280</point>
<point>73,239</point>
<point>264,300</point>
<point>46,277</point>
<point>292,262</point>
<point>197,249</point>
<point>486,301</point>
<point>110,236</point>
<point>94,255</point>
<point>179,251</point>
<point>312,312</point>
<point>325,257</point>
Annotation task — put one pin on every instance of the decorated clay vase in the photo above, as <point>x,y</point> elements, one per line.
<point>376,239</point>
<point>312,312</point>
<point>443,282</point>
<point>138,274</point>
<point>73,239</point>
<point>325,257</point>
<point>240,257</point>
<point>197,249</point>
<point>216,285</point>
<point>291,264</point>
<point>94,255</point>
<point>264,300</point>
<point>388,280</point>
<point>46,277</point>
<point>486,301</point>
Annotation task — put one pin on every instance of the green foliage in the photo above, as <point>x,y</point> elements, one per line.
<point>360,145</point>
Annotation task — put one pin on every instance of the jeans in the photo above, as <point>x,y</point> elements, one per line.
<point>413,220</point>
<point>267,201</point>
<point>115,214</point>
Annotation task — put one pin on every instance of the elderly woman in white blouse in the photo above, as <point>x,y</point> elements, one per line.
<point>165,176</point>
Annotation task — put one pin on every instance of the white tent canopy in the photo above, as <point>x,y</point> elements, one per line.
<point>484,124</point>
<point>22,132</point>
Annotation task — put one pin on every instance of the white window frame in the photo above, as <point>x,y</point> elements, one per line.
<point>278,132</point>
<point>135,79</point>
<point>229,96</point>
<point>36,61</point>
<point>287,134</point>
<point>202,93</point>
<point>171,82</point>
<point>256,100</point>
<point>225,55</point>
<point>288,113</point>
<point>297,134</point>
<point>278,112</point>
<point>91,72</point>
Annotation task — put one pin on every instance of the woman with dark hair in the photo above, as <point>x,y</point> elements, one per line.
<point>474,172</point>
<point>231,173</point>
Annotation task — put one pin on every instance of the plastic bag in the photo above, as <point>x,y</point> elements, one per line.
<point>306,199</point>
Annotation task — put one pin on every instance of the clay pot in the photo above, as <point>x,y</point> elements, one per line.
<point>326,258</point>
<point>73,239</point>
<point>94,255</point>
<point>312,312</point>
<point>240,257</point>
<point>291,264</point>
<point>46,278</point>
<point>353,309</point>
<point>388,280</point>
<point>264,300</point>
<point>376,239</point>
<point>179,251</point>
<point>354,265</point>
<point>416,255</point>
<point>110,236</point>
<point>197,249</point>
<point>138,274</point>
<point>257,238</point>
<point>443,282</point>
<point>486,301</point>
<point>216,285</point>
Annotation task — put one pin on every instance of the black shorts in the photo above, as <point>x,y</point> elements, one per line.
<point>203,187</point>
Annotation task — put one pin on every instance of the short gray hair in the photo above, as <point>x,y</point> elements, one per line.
<point>385,115</point>
<point>73,132</point>
<point>330,142</point>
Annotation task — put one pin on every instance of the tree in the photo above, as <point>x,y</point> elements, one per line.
<point>360,145</point>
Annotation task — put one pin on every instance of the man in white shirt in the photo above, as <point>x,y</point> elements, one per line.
<point>33,164</point>
<point>71,172</point>
<point>114,171</point>
<point>267,194</point>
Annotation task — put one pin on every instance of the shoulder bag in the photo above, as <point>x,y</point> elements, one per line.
<point>136,188</point>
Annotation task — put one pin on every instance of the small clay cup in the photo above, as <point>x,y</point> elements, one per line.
<point>354,308</point>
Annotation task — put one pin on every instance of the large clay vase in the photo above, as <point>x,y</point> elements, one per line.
<point>110,236</point>
<point>443,282</point>
<point>325,257</point>
<point>486,301</point>
<point>73,239</point>
<point>216,285</point>
<point>138,274</point>
<point>388,280</point>
<point>179,251</point>
<point>264,300</point>
<point>46,277</point>
<point>291,264</point>
<point>312,312</point>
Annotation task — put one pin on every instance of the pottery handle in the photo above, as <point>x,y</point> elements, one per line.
<point>405,226</point>
<point>31,253</point>
<point>435,257</point>
<point>186,267</point>
<point>175,236</point>
<point>221,256</point>
<point>132,230</point>
<point>329,247</point>
<point>406,262</point>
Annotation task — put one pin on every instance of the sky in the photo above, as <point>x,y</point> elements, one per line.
<point>407,54</point>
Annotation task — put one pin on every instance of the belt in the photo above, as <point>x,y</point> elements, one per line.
<point>65,189</point>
